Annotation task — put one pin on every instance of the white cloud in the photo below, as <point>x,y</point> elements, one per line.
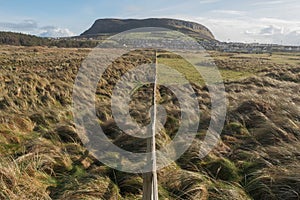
<point>26,25</point>
<point>263,3</point>
<point>208,1</point>
<point>51,31</point>
<point>277,34</point>
<point>271,30</point>
<point>32,27</point>
<point>246,29</point>
<point>278,21</point>
<point>229,12</point>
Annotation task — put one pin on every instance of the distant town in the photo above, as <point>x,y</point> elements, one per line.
<point>233,47</point>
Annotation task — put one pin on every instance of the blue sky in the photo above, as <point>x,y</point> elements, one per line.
<point>268,21</point>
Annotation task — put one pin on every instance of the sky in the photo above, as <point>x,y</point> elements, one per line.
<point>268,21</point>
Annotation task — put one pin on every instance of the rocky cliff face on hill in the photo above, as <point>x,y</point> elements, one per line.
<point>113,26</point>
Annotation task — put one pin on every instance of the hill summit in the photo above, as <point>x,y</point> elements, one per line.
<point>114,26</point>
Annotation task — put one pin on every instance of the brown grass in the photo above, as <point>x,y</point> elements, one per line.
<point>42,156</point>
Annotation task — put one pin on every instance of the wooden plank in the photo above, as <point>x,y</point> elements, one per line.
<point>150,186</point>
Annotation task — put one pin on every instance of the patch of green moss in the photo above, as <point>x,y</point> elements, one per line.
<point>163,193</point>
<point>223,169</point>
<point>236,128</point>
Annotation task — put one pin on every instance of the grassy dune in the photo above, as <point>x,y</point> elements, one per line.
<point>42,156</point>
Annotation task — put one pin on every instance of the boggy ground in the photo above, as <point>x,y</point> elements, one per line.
<point>42,156</point>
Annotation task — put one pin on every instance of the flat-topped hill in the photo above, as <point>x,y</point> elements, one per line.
<point>113,26</point>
